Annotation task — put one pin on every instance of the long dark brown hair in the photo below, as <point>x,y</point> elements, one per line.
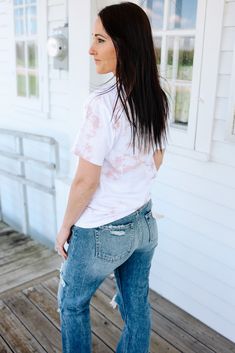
<point>138,85</point>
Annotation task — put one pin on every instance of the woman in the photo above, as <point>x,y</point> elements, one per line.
<point>108,221</point>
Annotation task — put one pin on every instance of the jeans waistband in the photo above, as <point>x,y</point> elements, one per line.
<point>140,211</point>
<point>143,209</point>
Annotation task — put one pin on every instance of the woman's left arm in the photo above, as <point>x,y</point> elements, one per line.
<point>84,185</point>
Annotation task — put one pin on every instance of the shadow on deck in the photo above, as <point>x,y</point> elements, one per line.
<point>29,321</point>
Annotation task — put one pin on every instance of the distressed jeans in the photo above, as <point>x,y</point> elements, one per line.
<point>125,247</point>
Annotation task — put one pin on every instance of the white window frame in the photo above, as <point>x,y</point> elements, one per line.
<point>195,142</point>
<point>38,106</point>
<point>230,128</point>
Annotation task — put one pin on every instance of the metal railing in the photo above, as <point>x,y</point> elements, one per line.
<point>23,160</point>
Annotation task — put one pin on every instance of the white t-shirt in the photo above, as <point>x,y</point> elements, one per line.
<point>126,178</point>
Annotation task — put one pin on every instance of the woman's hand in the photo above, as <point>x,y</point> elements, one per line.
<point>63,236</point>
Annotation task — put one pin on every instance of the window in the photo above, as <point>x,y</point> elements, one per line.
<point>26,49</point>
<point>187,40</point>
<point>174,30</point>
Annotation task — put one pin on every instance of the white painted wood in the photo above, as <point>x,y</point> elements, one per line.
<point>221,108</point>
<point>59,86</point>
<point>3,8</point>
<point>223,152</point>
<point>202,294</point>
<point>229,14</point>
<point>190,300</point>
<point>3,19</point>
<point>56,13</point>
<point>228,38</point>
<point>79,72</point>
<point>223,86</point>
<point>181,150</point>
<point>226,60</point>
<point>4,56</point>
<point>4,43</point>
<point>55,2</point>
<point>60,100</point>
<point>225,292</point>
<point>59,113</point>
<point>198,250</point>
<point>211,50</point>
<point>213,320</point>
<point>3,31</point>
<point>43,59</point>
<point>230,127</point>
<point>53,25</point>
<point>202,188</point>
<point>202,207</point>
<point>219,129</point>
<point>219,173</point>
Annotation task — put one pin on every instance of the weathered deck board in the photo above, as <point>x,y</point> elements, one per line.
<point>47,304</point>
<point>4,348</point>
<point>35,321</point>
<point>15,334</point>
<point>29,321</point>
<point>22,259</point>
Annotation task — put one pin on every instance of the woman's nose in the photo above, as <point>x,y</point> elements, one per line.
<point>91,50</point>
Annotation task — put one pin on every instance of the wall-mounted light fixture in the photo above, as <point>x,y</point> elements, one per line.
<point>57,48</point>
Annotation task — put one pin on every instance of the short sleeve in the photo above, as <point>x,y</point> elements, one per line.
<point>94,139</point>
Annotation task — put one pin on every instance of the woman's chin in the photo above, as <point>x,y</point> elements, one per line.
<point>103,71</point>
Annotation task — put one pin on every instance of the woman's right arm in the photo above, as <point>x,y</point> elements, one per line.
<point>158,158</point>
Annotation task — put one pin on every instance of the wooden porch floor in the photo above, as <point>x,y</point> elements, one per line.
<point>29,321</point>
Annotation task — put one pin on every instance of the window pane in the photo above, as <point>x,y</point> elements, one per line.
<point>182,102</point>
<point>155,11</point>
<point>30,1</point>
<point>21,85</point>
<point>32,55</point>
<point>185,63</point>
<point>182,14</point>
<point>157,47</point>
<point>31,20</point>
<point>20,54</point>
<point>19,21</point>
<point>18,2</point>
<point>33,85</point>
<point>170,56</point>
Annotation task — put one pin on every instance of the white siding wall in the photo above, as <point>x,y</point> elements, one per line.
<point>56,123</point>
<point>194,265</point>
<point>59,90</point>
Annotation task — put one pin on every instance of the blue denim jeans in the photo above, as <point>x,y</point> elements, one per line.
<point>125,247</point>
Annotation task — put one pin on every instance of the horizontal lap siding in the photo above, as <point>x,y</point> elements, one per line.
<point>58,79</point>
<point>41,213</point>
<point>194,264</point>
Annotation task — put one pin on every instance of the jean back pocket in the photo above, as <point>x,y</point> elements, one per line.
<point>114,242</point>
